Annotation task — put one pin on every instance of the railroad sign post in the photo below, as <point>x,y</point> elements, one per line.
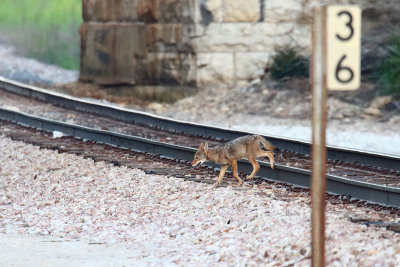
<point>336,34</point>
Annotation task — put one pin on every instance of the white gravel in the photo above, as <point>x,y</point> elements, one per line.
<point>168,221</point>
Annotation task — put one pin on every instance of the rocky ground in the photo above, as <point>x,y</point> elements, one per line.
<point>162,221</point>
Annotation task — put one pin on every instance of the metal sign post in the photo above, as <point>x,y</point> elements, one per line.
<point>336,43</point>
<point>318,152</point>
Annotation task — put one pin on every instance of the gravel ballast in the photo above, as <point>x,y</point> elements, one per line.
<point>165,221</point>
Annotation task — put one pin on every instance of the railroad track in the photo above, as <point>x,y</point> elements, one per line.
<point>367,176</point>
<point>160,165</point>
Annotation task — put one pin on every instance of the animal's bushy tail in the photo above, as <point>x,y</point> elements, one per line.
<point>267,145</point>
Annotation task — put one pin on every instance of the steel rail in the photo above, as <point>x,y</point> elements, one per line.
<point>108,110</point>
<point>383,195</point>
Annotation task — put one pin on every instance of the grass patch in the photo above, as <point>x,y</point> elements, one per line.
<point>388,73</point>
<point>44,30</point>
<point>287,62</point>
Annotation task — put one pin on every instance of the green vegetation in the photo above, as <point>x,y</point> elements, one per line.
<point>287,62</point>
<point>43,29</point>
<point>389,72</point>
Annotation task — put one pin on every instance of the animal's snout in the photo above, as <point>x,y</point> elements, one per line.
<point>197,162</point>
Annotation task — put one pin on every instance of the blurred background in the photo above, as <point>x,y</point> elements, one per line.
<point>42,29</point>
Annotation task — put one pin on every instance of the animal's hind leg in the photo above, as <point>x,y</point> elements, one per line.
<point>256,167</point>
<point>268,154</point>
<point>234,171</point>
<point>221,174</point>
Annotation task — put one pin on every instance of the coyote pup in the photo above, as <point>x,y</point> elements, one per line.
<point>249,146</point>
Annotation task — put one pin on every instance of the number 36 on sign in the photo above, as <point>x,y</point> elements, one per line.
<point>343,45</point>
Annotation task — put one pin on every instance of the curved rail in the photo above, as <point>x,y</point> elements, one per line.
<point>107,110</point>
<point>388,196</point>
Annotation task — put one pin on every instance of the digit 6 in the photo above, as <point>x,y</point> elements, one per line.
<point>340,68</point>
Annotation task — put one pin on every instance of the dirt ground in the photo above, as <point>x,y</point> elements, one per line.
<point>34,250</point>
<point>289,99</point>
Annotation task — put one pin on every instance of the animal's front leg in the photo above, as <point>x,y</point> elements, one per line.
<point>256,167</point>
<point>234,171</point>
<point>221,174</point>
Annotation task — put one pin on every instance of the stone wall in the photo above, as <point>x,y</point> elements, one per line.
<point>138,42</point>
<point>193,42</point>
<point>185,42</point>
<point>237,38</point>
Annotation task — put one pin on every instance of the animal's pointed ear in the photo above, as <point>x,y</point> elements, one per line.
<point>206,146</point>
<point>201,146</point>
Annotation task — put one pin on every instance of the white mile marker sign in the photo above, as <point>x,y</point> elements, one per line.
<point>343,47</point>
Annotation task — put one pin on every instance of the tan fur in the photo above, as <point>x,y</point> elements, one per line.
<point>249,146</point>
